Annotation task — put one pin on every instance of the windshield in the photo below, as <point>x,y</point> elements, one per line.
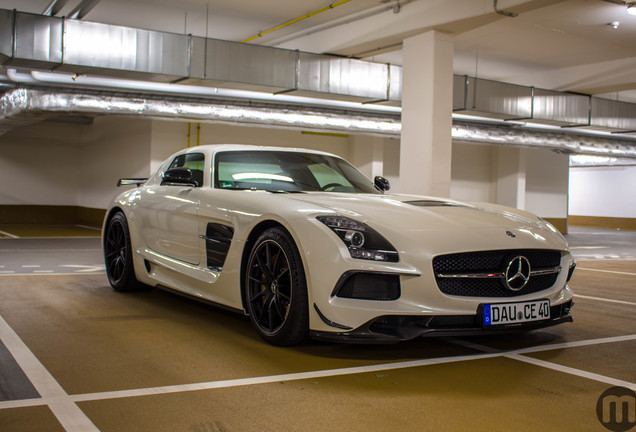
<point>280,171</point>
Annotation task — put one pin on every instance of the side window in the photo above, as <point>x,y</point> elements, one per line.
<point>325,175</point>
<point>194,162</point>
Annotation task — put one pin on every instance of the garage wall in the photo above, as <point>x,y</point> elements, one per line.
<point>472,173</point>
<point>115,148</point>
<point>391,164</point>
<point>547,183</point>
<point>603,196</point>
<point>56,164</point>
<point>169,137</point>
<point>535,180</point>
<point>39,165</point>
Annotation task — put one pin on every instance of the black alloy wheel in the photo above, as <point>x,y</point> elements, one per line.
<point>276,289</point>
<point>118,255</point>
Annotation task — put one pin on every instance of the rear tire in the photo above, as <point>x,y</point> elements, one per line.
<point>276,289</point>
<point>118,256</point>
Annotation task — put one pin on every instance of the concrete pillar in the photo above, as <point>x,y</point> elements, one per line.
<point>427,104</point>
<point>510,173</point>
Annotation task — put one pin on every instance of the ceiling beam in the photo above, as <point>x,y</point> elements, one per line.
<point>82,9</point>
<point>54,7</point>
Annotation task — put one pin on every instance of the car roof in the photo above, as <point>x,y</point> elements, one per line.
<point>215,148</point>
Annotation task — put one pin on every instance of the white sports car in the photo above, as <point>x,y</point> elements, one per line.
<point>305,245</point>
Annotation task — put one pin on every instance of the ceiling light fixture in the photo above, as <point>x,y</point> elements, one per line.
<point>614,24</point>
<point>631,8</point>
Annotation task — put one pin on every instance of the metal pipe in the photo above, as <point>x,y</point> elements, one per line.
<point>295,20</point>
<point>385,7</point>
<point>91,81</point>
<point>563,142</point>
<point>26,106</point>
<point>299,116</point>
<point>19,77</point>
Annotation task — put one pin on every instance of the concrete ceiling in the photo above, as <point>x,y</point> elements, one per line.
<point>555,44</point>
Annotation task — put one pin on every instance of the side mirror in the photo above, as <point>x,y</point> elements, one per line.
<point>179,177</point>
<point>381,183</point>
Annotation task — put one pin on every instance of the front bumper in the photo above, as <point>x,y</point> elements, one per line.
<point>397,328</point>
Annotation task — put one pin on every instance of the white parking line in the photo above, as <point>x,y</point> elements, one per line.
<point>89,227</point>
<point>86,268</point>
<point>518,355</point>
<point>606,271</point>
<point>605,300</point>
<point>573,371</point>
<point>51,274</point>
<point>6,234</point>
<point>576,344</point>
<point>68,414</point>
<point>276,378</point>
<point>487,352</point>
<point>31,266</point>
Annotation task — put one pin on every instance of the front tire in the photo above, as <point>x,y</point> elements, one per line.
<point>276,289</point>
<point>118,255</point>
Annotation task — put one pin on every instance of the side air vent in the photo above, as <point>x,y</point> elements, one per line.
<point>217,244</point>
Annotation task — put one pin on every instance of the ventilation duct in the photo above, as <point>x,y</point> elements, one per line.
<point>100,49</point>
<point>613,116</point>
<point>517,136</point>
<point>25,106</point>
<point>486,98</point>
<point>475,96</point>
<point>124,52</point>
<point>31,41</point>
<point>20,107</point>
<point>560,108</point>
<point>319,74</point>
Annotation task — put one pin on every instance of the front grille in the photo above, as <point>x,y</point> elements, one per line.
<point>493,262</point>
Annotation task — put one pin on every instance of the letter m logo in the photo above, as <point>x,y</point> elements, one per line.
<point>620,406</point>
<point>616,409</point>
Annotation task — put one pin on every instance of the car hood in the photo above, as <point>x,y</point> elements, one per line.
<point>435,220</point>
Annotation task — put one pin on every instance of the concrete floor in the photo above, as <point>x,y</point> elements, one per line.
<point>77,356</point>
<point>599,243</point>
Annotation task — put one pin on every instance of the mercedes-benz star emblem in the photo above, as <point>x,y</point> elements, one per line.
<point>517,273</point>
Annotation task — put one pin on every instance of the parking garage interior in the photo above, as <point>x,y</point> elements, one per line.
<point>524,103</point>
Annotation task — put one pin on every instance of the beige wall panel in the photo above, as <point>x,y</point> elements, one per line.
<point>471,173</point>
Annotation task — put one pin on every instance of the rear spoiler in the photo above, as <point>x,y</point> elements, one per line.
<point>131,181</point>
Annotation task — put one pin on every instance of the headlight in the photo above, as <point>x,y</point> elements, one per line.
<point>362,241</point>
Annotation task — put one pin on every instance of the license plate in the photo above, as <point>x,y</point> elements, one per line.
<point>513,313</point>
